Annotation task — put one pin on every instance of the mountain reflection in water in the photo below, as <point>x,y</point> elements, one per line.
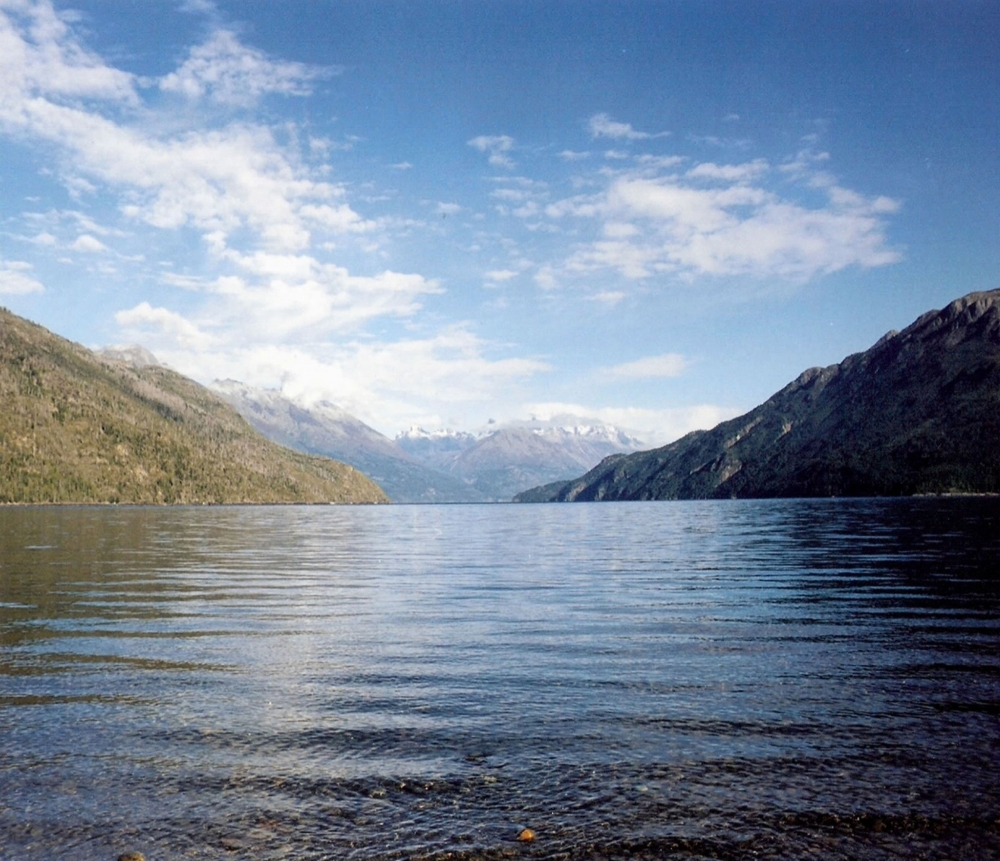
<point>771,679</point>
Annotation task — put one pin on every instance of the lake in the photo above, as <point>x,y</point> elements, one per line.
<point>768,679</point>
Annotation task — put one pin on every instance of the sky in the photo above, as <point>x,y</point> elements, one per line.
<point>448,213</point>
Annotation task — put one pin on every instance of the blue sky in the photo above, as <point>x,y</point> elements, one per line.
<point>441,213</point>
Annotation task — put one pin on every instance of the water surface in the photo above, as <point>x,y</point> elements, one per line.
<point>776,679</point>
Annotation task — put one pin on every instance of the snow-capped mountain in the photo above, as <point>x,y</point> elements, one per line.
<point>501,462</point>
<point>421,465</point>
<point>436,448</point>
<point>324,428</point>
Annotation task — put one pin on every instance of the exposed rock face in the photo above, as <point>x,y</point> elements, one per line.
<point>75,427</point>
<point>326,429</point>
<point>133,354</point>
<point>503,462</point>
<point>919,412</point>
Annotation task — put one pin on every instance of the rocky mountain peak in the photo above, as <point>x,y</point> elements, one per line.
<point>919,412</point>
<point>132,355</point>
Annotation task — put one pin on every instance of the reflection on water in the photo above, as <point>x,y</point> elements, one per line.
<point>719,679</point>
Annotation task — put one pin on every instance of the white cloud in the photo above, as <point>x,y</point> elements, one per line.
<point>293,293</point>
<point>14,279</point>
<point>546,279</point>
<point>655,427</point>
<point>228,72</point>
<point>724,220</point>
<point>88,244</point>
<point>253,199</point>
<point>199,7</point>
<point>500,275</point>
<point>724,143</point>
<point>229,178</point>
<point>450,366</point>
<point>496,147</point>
<point>260,302</point>
<point>602,126</point>
<point>216,180</point>
<point>520,196</point>
<point>385,384</point>
<point>608,297</point>
<point>729,172</point>
<point>262,299</point>
<point>581,206</point>
<point>513,195</point>
<point>144,317</point>
<point>619,230</point>
<point>38,53</point>
<point>649,367</point>
<point>660,162</point>
<point>185,282</point>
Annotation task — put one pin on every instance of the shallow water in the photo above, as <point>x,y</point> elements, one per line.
<point>772,679</point>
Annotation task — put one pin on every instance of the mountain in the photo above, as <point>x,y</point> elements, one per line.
<point>437,448</point>
<point>919,412</point>
<point>505,461</point>
<point>76,427</point>
<point>429,466</point>
<point>326,429</point>
<point>133,354</point>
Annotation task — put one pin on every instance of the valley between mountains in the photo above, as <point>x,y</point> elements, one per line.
<point>918,413</point>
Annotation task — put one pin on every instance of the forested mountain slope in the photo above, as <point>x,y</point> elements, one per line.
<point>75,427</point>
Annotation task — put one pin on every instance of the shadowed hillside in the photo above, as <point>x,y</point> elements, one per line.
<point>917,413</point>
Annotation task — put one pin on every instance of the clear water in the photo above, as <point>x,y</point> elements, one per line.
<point>776,679</point>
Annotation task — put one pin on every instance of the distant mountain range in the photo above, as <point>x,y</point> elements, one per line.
<point>505,461</point>
<point>77,427</point>
<point>325,429</point>
<point>430,466</point>
<point>919,412</point>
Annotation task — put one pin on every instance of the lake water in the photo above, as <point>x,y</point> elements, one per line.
<point>731,680</point>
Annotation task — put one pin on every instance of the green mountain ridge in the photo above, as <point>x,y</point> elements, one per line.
<point>76,428</point>
<point>918,413</point>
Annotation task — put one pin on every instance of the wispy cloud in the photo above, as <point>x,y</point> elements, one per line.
<point>731,173</point>
<point>602,126</point>
<point>649,367</point>
<point>501,275</point>
<point>608,297</point>
<point>387,384</point>
<point>15,280</point>
<point>267,263</point>
<point>266,305</point>
<point>39,54</point>
<point>228,72</point>
<point>726,220</point>
<point>496,147</point>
